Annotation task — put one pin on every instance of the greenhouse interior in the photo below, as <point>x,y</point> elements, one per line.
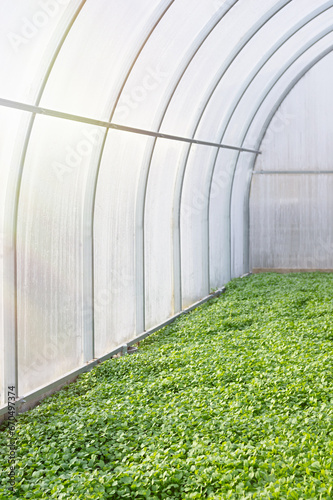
<point>166,191</point>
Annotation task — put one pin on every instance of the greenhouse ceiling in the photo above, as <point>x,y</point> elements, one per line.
<point>129,133</point>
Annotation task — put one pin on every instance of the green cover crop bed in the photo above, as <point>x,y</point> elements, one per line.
<point>232,401</point>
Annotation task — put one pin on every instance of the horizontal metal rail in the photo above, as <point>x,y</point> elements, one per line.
<point>100,123</point>
<point>37,395</point>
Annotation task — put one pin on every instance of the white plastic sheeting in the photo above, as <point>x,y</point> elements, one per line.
<point>291,204</point>
<point>105,233</point>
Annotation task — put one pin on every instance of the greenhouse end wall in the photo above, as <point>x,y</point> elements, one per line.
<point>291,199</point>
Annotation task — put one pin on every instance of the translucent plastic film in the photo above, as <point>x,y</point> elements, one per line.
<point>31,33</point>
<point>290,200</point>
<point>52,315</point>
<point>118,242</point>
<point>97,55</point>
<point>290,222</point>
<point>162,234</point>
<point>13,127</point>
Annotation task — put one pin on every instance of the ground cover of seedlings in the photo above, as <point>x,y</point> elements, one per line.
<point>232,401</point>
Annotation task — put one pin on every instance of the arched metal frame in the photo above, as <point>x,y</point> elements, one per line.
<point>247,83</point>
<point>11,211</point>
<point>307,19</point>
<point>263,131</point>
<point>222,71</point>
<point>320,8</point>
